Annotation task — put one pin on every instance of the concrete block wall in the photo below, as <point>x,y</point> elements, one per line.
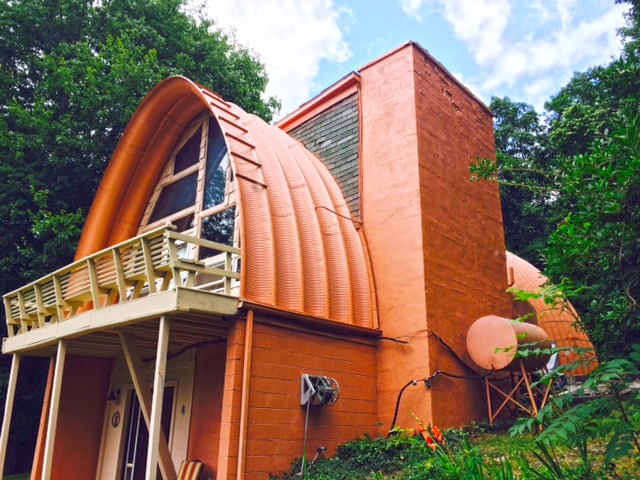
<point>82,406</point>
<point>463,236</point>
<point>435,238</point>
<point>280,355</point>
<point>334,136</point>
<point>227,465</point>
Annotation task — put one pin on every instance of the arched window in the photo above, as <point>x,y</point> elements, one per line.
<point>196,190</point>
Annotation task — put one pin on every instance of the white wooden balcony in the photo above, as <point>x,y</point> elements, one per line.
<point>122,286</point>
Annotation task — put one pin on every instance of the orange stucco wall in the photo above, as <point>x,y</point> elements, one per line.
<point>435,238</point>
<point>281,353</point>
<point>85,386</point>
<point>204,434</point>
<point>464,254</point>
<point>390,208</point>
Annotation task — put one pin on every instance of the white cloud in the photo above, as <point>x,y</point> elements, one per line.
<point>413,8</point>
<point>479,24</point>
<point>291,37</point>
<point>537,55</point>
<point>572,46</point>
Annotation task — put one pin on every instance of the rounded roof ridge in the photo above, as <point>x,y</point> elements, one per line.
<point>301,252</point>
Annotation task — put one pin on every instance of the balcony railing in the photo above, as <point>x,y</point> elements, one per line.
<point>156,261</point>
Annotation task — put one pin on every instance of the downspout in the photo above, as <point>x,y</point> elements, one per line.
<point>244,401</point>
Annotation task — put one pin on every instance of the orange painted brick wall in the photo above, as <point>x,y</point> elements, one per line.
<point>204,435</point>
<point>464,250</point>
<point>392,224</point>
<point>276,420</point>
<point>435,238</point>
<point>231,402</point>
<point>85,386</point>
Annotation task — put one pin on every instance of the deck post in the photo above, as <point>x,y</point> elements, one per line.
<point>8,410</point>
<point>53,410</point>
<point>155,427</point>
<point>136,369</point>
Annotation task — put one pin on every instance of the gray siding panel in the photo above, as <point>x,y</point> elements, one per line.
<point>334,136</point>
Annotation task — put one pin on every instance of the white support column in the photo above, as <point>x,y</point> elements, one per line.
<point>136,369</point>
<point>8,410</point>
<point>155,428</point>
<point>56,388</point>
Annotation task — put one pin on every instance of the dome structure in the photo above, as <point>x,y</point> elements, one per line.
<point>301,252</point>
<point>559,323</point>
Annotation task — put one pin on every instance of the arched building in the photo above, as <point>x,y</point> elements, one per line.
<point>224,258</point>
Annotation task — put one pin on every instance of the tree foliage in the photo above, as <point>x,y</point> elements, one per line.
<point>579,208</point>
<point>520,141</point>
<point>72,73</point>
<point>598,243</point>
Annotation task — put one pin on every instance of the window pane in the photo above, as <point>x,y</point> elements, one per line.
<point>217,163</point>
<point>184,223</point>
<point>189,153</point>
<point>175,197</point>
<point>219,228</point>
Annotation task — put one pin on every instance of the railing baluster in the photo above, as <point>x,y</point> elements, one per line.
<point>42,312</point>
<point>93,280</point>
<point>57,286</point>
<point>23,312</point>
<point>228,266</point>
<point>8,315</point>
<point>120,281</point>
<point>173,256</point>
<point>148,264</point>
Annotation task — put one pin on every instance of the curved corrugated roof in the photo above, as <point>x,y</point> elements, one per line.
<point>560,324</point>
<point>300,250</point>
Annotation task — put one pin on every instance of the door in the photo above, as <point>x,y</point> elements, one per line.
<point>136,436</point>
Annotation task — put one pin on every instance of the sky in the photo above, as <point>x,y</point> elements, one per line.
<point>526,50</point>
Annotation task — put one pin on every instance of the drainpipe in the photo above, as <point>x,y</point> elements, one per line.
<point>244,402</point>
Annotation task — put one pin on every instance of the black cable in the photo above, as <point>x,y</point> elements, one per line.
<point>452,351</point>
<point>427,381</point>
<point>395,415</point>
<point>185,348</point>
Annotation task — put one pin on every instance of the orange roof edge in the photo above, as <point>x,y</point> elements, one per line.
<point>325,99</point>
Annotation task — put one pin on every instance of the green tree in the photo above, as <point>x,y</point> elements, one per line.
<point>594,135</point>
<point>520,146</point>
<point>581,180</point>
<point>597,245</point>
<point>72,72</point>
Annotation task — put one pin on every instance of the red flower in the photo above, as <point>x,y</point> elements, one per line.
<point>437,434</point>
<point>428,438</point>
<point>425,434</point>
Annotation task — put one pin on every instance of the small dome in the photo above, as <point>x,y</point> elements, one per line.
<point>559,323</point>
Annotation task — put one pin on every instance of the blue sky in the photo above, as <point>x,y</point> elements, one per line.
<point>526,50</point>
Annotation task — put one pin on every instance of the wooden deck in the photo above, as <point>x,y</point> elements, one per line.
<point>135,281</point>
